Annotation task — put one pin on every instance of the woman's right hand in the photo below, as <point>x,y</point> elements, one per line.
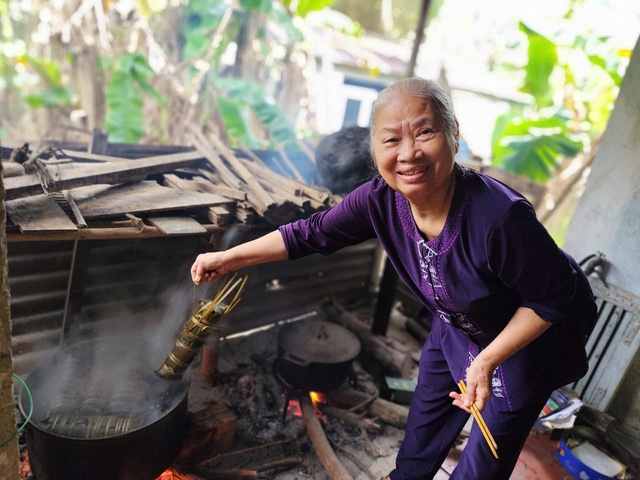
<point>209,267</point>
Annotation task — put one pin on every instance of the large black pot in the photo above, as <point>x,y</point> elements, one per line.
<point>108,378</point>
<point>315,356</point>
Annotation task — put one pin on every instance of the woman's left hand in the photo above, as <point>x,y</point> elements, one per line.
<point>523,328</point>
<point>478,384</point>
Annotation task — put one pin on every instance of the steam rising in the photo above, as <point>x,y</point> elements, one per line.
<point>106,385</point>
<point>113,374</point>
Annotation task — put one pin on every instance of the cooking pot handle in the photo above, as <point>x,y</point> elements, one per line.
<point>293,359</point>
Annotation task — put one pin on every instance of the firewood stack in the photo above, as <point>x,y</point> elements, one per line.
<point>69,194</point>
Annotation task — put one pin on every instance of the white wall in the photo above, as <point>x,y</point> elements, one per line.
<point>608,216</point>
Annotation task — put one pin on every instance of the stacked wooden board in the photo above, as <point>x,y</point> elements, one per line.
<point>204,188</point>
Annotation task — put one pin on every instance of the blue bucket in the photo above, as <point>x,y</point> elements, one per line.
<point>577,467</point>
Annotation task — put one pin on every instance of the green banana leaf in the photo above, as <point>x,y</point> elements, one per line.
<point>248,93</point>
<point>537,157</point>
<point>51,97</point>
<point>305,6</point>
<point>124,120</point>
<point>125,94</point>
<point>203,16</point>
<point>46,70</point>
<point>542,60</point>
<point>533,146</point>
<point>236,118</point>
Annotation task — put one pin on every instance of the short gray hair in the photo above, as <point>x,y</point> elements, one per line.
<point>420,88</point>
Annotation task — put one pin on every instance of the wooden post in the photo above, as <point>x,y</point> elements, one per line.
<point>386,296</point>
<point>75,287</point>
<point>9,456</point>
<point>422,22</point>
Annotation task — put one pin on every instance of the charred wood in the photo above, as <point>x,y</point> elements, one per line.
<point>384,410</point>
<point>358,420</point>
<point>247,462</point>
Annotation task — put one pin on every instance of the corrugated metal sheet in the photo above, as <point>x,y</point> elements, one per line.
<point>129,280</point>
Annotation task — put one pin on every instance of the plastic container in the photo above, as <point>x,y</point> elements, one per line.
<point>602,454</point>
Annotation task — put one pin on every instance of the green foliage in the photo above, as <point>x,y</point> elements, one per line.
<point>55,94</point>
<point>125,98</point>
<point>570,105</point>
<point>51,97</point>
<point>247,108</point>
<point>532,146</point>
<point>306,6</point>
<point>243,105</point>
<point>236,117</point>
<point>243,96</point>
<point>48,71</point>
<point>405,15</point>
<point>542,60</point>
<point>282,18</point>
<point>202,18</point>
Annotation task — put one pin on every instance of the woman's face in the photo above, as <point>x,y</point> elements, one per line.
<point>411,150</point>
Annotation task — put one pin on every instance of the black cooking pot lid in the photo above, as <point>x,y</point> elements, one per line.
<point>319,341</point>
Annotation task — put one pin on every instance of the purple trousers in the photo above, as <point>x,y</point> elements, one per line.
<point>434,423</point>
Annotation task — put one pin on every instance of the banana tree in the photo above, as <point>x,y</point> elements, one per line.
<point>243,94</point>
<point>128,85</point>
<point>565,115</point>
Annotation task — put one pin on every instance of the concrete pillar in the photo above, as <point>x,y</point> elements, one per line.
<point>9,455</point>
<point>607,216</point>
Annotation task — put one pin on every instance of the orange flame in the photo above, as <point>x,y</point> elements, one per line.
<point>294,407</point>
<point>172,474</point>
<point>317,398</point>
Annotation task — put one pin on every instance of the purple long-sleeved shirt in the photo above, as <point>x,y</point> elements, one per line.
<point>492,257</point>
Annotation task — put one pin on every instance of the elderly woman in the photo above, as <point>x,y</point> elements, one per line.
<point>511,311</point>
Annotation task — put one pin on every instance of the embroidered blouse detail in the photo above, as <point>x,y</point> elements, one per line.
<point>430,254</point>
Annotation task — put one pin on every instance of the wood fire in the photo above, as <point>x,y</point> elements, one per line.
<point>173,474</point>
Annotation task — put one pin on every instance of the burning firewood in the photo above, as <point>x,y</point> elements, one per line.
<point>330,461</point>
<point>173,474</point>
<point>248,462</point>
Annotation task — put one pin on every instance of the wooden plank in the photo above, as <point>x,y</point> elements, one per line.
<point>21,186</point>
<point>208,151</point>
<point>177,225</point>
<point>219,215</point>
<point>64,178</point>
<point>203,185</point>
<point>119,172</point>
<point>38,213</point>
<point>262,197</point>
<point>105,200</point>
<point>95,157</point>
<point>290,164</point>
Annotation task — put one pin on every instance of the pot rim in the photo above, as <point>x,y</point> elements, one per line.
<point>41,368</point>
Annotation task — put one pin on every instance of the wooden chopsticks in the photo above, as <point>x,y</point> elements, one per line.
<point>480,421</point>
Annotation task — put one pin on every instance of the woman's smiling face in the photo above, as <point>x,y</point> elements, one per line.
<point>410,148</point>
